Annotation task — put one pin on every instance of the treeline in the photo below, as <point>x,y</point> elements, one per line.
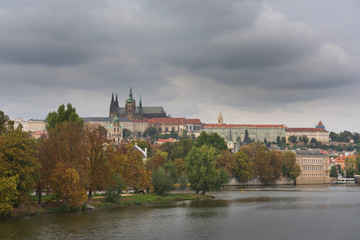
<point>75,160</point>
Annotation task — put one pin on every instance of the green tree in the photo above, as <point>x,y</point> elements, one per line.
<point>350,166</point>
<point>246,138</point>
<point>295,172</point>
<point>5,123</point>
<point>113,191</point>
<point>62,115</point>
<point>126,133</point>
<point>305,139</point>
<point>151,132</point>
<point>183,181</point>
<point>244,170</point>
<point>162,181</point>
<point>292,139</point>
<point>278,140</point>
<point>289,167</point>
<point>313,141</point>
<point>200,169</point>
<point>334,172</point>
<point>18,162</point>
<point>212,140</point>
<point>276,163</point>
<point>8,191</point>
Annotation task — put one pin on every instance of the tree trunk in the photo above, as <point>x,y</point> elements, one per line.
<point>39,194</point>
<point>203,192</point>
<point>90,195</point>
<point>197,191</point>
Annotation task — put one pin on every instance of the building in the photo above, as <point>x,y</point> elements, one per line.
<point>314,167</point>
<point>133,112</point>
<point>34,125</point>
<point>177,125</point>
<point>319,133</point>
<point>115,131</point>
<point>98,121</point>
<point>235,132</point>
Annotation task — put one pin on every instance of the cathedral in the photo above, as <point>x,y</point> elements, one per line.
<point>133,112</point>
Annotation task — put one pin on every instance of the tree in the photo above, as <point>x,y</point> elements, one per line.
<point>126,133</point>
<point>334,172</point>
<point>246,138</point>
<point>128,163</point>
<point>200,169</point>
<point>158,159</point>
<point>226,160</point>
<point>170,169</point>
<point>97,171</point>
<point>113,191</point>
<point>276,163</point>
<point>180,165</point>
<point>278,140</point>
<point>295,172</point>
<point>292,139</point>
<point>162,181</point>
<point>313,141</point>
<point>151,132</point>
<point>18,164</point>
<point>5,123</point>
<point>183,181</point>
<point>66,185</point>
<point>244,167</point>
<point>62,115</point>
<point>213,140</point>
<point>263,168</point>
<point>350,166</point>
<point>8,191</point>
<point>252,149</point>
<point>305,139</point>
<point>265,141</point>
<point>289,161</point>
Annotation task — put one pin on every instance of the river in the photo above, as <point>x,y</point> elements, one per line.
<point>276,212</point>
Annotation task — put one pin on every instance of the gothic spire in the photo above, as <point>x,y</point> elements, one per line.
<point>116,101</point>
<point>140,102</point>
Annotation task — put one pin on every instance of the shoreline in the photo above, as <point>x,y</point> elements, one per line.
<point>99,202</point>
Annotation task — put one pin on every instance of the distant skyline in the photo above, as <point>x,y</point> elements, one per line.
<point>257,62</point>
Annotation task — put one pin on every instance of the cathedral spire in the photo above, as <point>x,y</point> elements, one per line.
<point>112,98</point>
<point>140,102</point>
<point>116,101</point>
<point>130,99</point>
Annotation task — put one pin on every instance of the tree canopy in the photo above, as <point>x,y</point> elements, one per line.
<point>62,115</point>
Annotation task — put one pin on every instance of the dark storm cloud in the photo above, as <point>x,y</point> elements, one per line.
<point>178,52</point>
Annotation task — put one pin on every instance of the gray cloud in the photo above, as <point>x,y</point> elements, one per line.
<point>242,56</point>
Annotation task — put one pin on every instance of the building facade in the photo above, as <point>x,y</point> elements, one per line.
<point>314,167</point>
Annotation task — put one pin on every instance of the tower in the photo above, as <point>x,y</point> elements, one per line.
<point>220,119</point>
<point>112,111</point>
<point>130,106</point>
<point>320,125</point>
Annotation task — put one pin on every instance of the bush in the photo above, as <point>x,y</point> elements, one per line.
<point>113,193</point>
<point>162,181</point>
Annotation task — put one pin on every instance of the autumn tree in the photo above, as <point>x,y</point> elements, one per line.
<point>62,115</point>
<point>18,164</point>
<point>180,165</point>
<point>66,185</point>
<point>290,168</point>
<point>276,163</point>
<point>262,167</point>
<point>201,172</point>
<point>128,163</point>
<point>97,170</point>
<point>158,159</point>
<point>243,167</point>
<point>350,166</point>
<point>226,160</point>
<point>252,149</point>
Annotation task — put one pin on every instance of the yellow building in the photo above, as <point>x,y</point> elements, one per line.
<point>314,167</point>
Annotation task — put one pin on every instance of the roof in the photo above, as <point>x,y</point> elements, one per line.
<point>193,121</point>
<point>97,119</point>
<point>167,120</point>
<point>145,110</point>
<point>243,125</point>
<point>320,124</point>
<point>309,153</point>
<point>305,130</point>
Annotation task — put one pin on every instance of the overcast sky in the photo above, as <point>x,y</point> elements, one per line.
<point>271,62</point>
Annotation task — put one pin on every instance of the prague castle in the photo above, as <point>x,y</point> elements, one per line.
<point>133,112</point>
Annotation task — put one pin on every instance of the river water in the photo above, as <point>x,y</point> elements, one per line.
<point>286,212</point>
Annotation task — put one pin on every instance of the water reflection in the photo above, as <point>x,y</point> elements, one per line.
<point>291,212</point>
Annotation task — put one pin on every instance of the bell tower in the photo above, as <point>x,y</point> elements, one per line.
<point>220,119</point>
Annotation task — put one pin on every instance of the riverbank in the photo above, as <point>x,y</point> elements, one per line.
<point>99,201</point>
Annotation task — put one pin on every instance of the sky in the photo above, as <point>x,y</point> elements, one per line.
<point>257,62</point>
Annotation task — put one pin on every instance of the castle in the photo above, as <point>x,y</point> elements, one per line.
<point>133,112</point>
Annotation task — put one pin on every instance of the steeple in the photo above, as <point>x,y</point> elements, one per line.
<point>220,119</point>
<point>130,99</point>
<point>116,101</point>
<point>140,102</point>
<point>230,136</point>
<point>112,98</point>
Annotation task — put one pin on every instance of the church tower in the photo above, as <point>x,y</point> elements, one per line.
<point>130,106</point>
<point>220,119</point>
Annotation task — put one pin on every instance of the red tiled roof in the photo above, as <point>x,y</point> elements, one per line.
<point>320,124</point>
<point>193,121</point>
<point>242,125</point>
<point>167,120</point>
<point>305,130</point>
